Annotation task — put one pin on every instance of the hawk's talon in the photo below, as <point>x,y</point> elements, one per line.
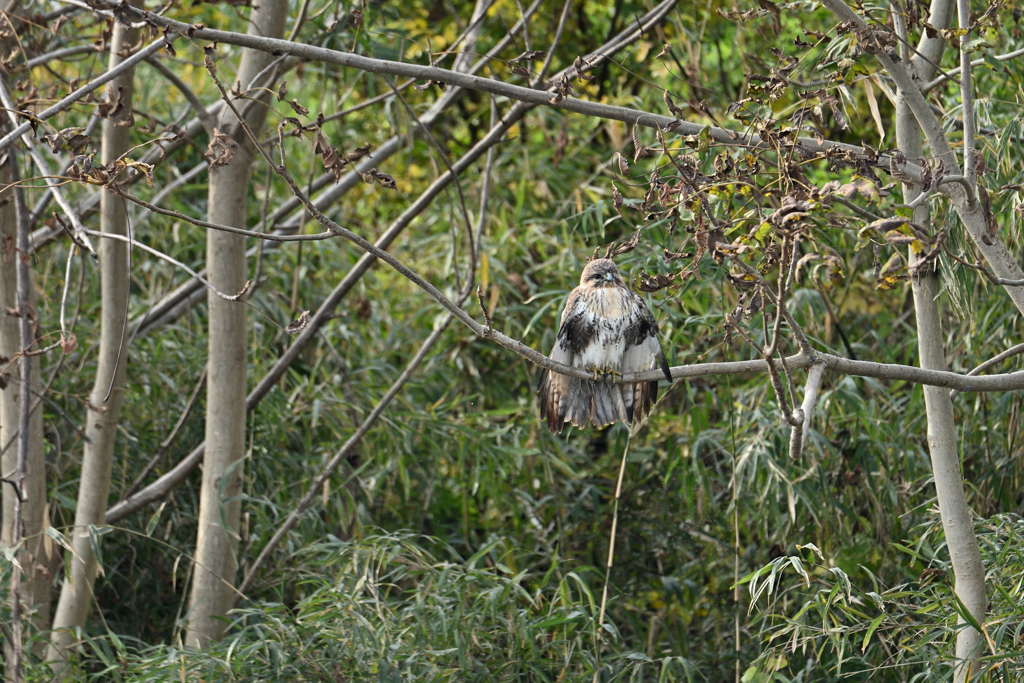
<point>595,373</point>
<point>612,376</point>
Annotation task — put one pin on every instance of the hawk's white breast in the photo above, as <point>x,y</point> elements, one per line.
<point>611,308</point>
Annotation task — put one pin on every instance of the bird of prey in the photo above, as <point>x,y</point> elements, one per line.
<point>607,330</point>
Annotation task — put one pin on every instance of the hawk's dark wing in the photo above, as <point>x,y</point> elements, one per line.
<point>642,352</point>
<point>577,325</point>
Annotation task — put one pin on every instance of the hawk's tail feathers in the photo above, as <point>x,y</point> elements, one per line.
<point>569,399</point>
<point>552,388</point>
<point>608,404</point>
<point>644,394</point>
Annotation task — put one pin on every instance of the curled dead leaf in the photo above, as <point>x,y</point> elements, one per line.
<point>299,324</point>
<point>68,343</point>
<point>221,149</point>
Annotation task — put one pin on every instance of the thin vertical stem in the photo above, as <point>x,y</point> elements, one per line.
<point>736,572</point>
<point>25,410</point>
<point>967,93</point>
<point>615,526</point>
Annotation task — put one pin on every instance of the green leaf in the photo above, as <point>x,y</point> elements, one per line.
<point>151,524</point>
<point>965,613</point>
<point>471,563</point>
<point>993,63</point>
<point>575,615</point>
<point>871,631</point>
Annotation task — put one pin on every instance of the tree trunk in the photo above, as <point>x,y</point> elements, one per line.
<point>35,588</point>
<point>107,396</point>
<point>216,561</point>
<point>957,521</point>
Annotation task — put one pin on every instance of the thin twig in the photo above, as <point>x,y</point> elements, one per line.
<point>82,91</point>
<point>863,213</point>
<point>172,261</point>
<point>983,269</point>
<point>26,318</point>
<point>270,237</point>
<point>168,189</point>
<point>127,301</point>
<point>611,536</point>
<point>1008,353</point>
<point>554,43</point>
<point>805,345</point>
<point>977,62</point>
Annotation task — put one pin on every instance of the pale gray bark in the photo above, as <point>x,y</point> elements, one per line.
<point>107,396</point>
<point>216,561</point>
<point>957,520</point>
<point>182,298</point>
<point>177,474</point>
<point>35,555</point>
<point>964,201</point>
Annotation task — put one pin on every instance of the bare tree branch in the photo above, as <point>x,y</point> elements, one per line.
<point>799,434</point>
<point>1008,353</point>
<point>523,94</point>
<point>271,237</point>
<point>977,62</point>
<point>84,90</point>
<point>60,54</point>
<point>160,255</point>
<point>44,170</point>
<point>967,94</point>
<point>964,200</point>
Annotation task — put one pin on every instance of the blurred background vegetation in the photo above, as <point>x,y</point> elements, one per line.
<point>465,542</point>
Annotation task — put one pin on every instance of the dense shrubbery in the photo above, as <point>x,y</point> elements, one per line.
<point>463,541</point>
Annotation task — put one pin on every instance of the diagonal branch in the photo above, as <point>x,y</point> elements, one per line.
<point>964,200</point>
<point>523,94</point>
<point>800,431</point>
<point>977,62</point>
<point>1008,353</point>
<point>967,93</point>
<point>82,91</point>
<point>44,170</point>
<point>501,125</point>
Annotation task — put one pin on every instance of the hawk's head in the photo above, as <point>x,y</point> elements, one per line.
<point>601,273</point>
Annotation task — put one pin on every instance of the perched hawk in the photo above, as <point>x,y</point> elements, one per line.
<point>607,330</point>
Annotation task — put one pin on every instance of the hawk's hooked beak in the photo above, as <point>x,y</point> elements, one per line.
<point>609,277</point>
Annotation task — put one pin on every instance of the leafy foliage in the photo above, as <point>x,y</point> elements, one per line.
<point>464,541</point>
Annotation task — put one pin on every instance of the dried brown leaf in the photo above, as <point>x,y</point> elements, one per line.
<point>299,324</point>
<point>221,149</point>
<point>381,178</point>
